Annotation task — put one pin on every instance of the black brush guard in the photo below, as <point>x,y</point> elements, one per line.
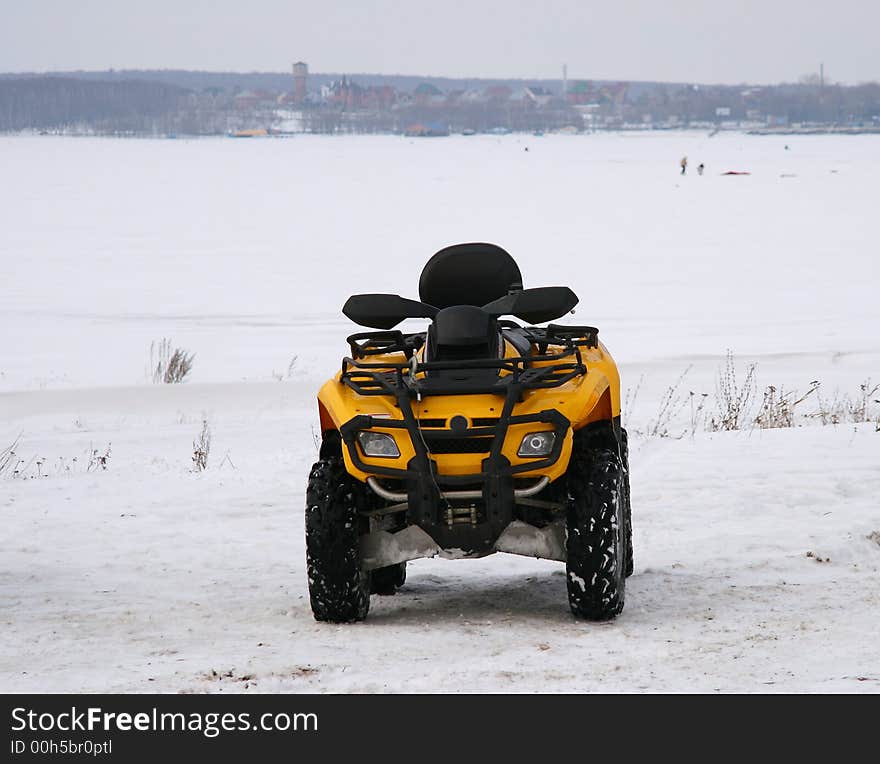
<point>426,505</point>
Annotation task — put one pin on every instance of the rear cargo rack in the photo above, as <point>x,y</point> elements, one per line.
<point>365,344</point>
<point>556,334</point>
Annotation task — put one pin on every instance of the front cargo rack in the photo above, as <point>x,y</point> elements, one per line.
<point>466,376</point>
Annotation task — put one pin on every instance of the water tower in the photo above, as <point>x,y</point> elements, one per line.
<point>300,84</point>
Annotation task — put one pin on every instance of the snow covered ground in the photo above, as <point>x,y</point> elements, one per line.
<point>757,552</point>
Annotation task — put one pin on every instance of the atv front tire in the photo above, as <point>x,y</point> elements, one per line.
<point>596,524</point>
<point>338,588</point>
<point>624,452</point>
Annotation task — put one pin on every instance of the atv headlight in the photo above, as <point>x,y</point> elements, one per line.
<point>378,444</point>
<point>537,444</point>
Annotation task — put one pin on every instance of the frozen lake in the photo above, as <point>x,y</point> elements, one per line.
<point>243,251</point>
<point>148,577</point>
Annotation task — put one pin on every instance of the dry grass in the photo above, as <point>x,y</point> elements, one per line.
<point>9,460</point>
<point>863,407</point>
<point>202,448</point>
<point>734,400</point>
<point>98,460</point>
<point>169,365</point>
<point>278,376</point>
<point>13,466</point>
<point>698,411</point>
<point>778,407</point>
<point>841,408</point>
<point>671,405</point>
<point>629,402</point>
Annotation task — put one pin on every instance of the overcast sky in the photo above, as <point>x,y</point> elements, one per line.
<point>757,41</point>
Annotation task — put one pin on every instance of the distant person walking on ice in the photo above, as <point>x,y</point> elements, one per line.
<point>684,165</point>
<point>700,168</point>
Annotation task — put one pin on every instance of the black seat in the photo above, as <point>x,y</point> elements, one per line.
<point>462,333</point>
<point>468,274</point>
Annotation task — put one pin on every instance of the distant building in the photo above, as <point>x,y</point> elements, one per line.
<point>431,130</point>
<point>583,92</point>
<point>380,97</point>
<point>251,99</point>
<point>537,96</point>
<point>344,94</point>
<point>426,93</point>
<point>579,92</point>
<point>498,93</point>
<point>254,133</point>
<point>472,96</point>
<point>300,81</point>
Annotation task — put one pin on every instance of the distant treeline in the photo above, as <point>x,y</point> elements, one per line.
<point>120,107</point>
<point>281,82</point>
<point>59,103</point>
<point>829,104</point>
<point>211,103</point>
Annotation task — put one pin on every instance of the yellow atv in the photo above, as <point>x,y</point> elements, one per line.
<point>479,435</point>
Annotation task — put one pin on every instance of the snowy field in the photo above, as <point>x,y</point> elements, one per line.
<point>757,552</point>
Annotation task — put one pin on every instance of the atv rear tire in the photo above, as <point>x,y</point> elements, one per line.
<point>338,587</point>
<point>596,524</point>
<point>387,580</point>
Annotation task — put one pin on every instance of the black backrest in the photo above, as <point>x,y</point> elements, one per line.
<point>468,274</point>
